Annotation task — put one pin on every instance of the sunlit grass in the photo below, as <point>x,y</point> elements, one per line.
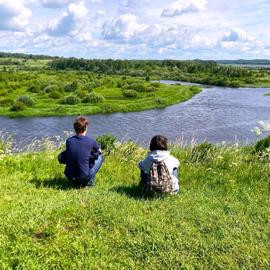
<point>220,219</point>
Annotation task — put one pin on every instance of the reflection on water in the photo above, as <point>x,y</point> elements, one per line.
<point>216,114</point>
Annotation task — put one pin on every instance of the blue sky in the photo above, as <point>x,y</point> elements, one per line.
<point>137,29</point>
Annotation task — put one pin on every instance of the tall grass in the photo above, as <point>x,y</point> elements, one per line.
<point>220,219</point>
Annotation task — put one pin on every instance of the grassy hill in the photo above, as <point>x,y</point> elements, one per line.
<point>220,219</point>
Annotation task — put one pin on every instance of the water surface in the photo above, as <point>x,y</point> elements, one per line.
<point>216,114</point>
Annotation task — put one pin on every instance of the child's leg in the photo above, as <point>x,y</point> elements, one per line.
<point>176,185</point>
<point>94,170</point>
<point>144,177</point>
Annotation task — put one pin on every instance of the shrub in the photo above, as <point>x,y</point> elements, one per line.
<point>26,100</point>
<point>262,145</point>
<point>93,97</point>
<point>6,101</point>
<point>130,93</point>
<point>194,89</point>
<point>71,87</point>
<point>250,80</point>
<point>155,84</point>
<point>160,101</point>
<point>55,95</point>
<point>3,93</point>
<point>34,89</point>
<point>17,106</point>
<point>234,84</point>
<point>107,143</point>
<point>137,86</point>
<point>151,88</point>
<point>81,94</point>
<point>51,88</point>
<point>72,100</point>
<point>203,153</point>
<point>88,87</point>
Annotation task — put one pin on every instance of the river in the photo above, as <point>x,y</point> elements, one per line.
<point>216,114</point>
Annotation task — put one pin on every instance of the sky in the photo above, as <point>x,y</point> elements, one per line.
<point>137,29</point>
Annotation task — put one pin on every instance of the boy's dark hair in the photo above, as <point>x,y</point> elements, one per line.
<point>158,142</point>
<point>80,124</point>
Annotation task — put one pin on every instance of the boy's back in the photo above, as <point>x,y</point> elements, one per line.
<point>80,151</point>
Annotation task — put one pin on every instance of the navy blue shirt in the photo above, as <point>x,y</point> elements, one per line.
<point>81,152</point>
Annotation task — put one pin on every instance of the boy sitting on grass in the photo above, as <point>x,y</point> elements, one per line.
<point>82,157</point>
<point>159,171</point>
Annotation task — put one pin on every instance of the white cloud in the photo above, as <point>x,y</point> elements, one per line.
<point>184,6</point>
<point>14,15</point>
<point>121,28</point>
<point>200,42</point>
<point>68,21</point>
<point>235,35</point>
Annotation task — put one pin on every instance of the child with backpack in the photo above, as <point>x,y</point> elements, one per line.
<point>159,170</point>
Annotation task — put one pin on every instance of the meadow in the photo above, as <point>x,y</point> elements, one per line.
<point>48,92</point>
<point>220,219</point>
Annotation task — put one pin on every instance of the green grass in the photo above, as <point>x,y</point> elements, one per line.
<point>220,220</point>
<point>13,85</point>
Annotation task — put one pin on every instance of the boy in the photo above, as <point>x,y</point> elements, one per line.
<point>82,157</point>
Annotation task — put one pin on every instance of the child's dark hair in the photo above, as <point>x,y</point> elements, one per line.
<point>158,142</point>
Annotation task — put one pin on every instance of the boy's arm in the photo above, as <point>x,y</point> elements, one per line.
<point>62,157</point>
<point>95,151</point>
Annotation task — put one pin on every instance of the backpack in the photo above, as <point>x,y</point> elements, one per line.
<point>159,178</point>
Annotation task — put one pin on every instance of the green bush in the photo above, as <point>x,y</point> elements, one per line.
<point>130,93</point>
<point>88,87</point>
<point>151,94</point>
<point>72,100</point>
<point>93,97</point>
<point>155,84</point>
<point>151,88</point>
<point>71,87</point>
<point>55,95</point>
<point>34,89</point>
<point>160,101</point>
<point>234,84</point>
<point>203,153</point>
<point>6,101</point>
<point>262,145</point>
<point>137,86</point>
<point>51,88</point>
<point>194,89</point>
<point>107,143</point>
<point>81,94</point>
<point>17,106</point>
<point>26,100</point>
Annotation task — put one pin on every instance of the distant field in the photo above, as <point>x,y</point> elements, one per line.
<point>48,92</point>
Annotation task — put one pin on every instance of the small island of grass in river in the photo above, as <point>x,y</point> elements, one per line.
<point>46,93</point>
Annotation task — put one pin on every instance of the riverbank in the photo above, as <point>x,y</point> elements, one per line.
<point>220,220</point>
